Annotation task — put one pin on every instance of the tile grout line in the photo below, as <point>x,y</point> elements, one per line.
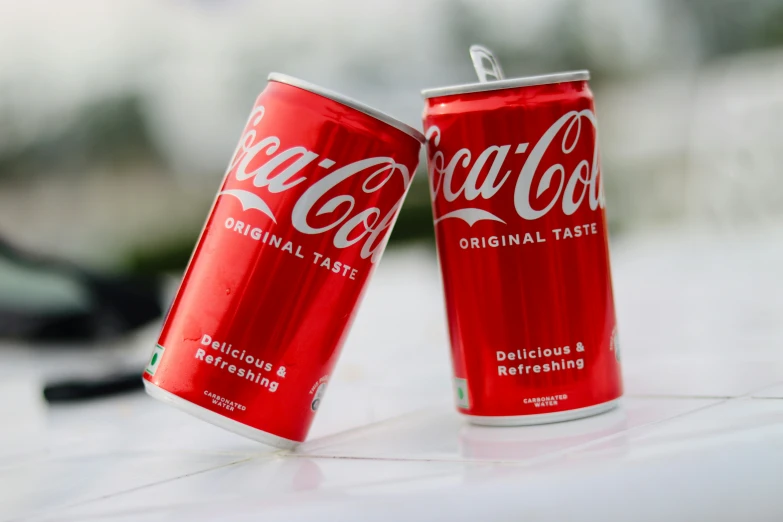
<point>169,507</point>
<point>133,489</point>
<point>720,400</point>
<point>757,390</point>
<point>526,462</point>
<point>358,429</point>
<point>566,451</point>
<point>46,456</point>
<point>396,418</point>
<point>522,463</point>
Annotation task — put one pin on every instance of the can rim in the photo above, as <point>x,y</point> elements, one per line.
<point>525,81</point>
<point>348,102</point>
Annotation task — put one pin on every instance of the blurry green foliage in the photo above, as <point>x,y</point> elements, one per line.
<point>114,131</point>
<point>732,26</point>
<point>108,132</point>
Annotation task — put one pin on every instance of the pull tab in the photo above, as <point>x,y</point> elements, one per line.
<point>485,64</point>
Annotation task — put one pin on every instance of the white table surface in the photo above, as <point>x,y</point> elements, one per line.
<point>699,435</point>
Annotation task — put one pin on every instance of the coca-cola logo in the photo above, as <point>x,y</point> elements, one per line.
<point>327,205</point>
<point>572,188</point>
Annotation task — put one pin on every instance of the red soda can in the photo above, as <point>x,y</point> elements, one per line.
<point>299,223</point>
<point>518,205</point>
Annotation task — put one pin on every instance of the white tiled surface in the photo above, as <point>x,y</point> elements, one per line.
<point>699,435</point>
<point>773,392</point>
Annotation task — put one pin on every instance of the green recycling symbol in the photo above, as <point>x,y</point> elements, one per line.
<point>157,355</point>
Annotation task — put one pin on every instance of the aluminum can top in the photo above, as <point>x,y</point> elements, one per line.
<point>348,102</point>
<point>511,83</point>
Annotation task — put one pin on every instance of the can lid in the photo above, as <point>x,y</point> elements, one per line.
<point>487,65</point>
<point>525,81</point>
<point>348,102</point>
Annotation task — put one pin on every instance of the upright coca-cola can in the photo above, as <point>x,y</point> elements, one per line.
<point>518,204</point>
<point>299,223</point>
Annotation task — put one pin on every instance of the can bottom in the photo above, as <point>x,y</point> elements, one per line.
<point>217,419</point>
<point>542,418</point>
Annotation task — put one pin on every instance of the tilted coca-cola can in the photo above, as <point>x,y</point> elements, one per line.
<point>518,203</point>
<point>299,223</point>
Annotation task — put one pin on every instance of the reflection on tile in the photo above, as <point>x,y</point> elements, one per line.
<point>736,424</point>
<point>265,485</point>
<point>530,442</point>
<point>698,376</point>
<point>440,434</point>
<point>388,445</point>
<point>711,485</point>
<point>50,482</point>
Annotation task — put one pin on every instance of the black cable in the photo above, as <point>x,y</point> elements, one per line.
<point>82,389</point>
<point>118,304</point>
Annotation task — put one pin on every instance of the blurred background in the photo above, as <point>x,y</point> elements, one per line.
<point>117,118</point>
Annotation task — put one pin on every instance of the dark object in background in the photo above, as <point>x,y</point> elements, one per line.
<point>117,304</point>
<point>83,389</point>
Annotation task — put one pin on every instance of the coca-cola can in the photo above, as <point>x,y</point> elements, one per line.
<point>298,225</point>
<point>518,203</point>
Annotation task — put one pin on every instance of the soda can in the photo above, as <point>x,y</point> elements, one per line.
<point>298,225</point>
<point>518,204</point>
